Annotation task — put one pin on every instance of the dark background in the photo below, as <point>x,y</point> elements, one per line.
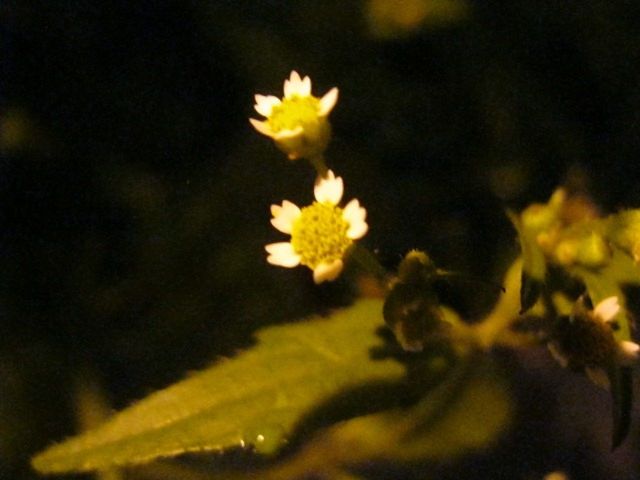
<point>135,194</point>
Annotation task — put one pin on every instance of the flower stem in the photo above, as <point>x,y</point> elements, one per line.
<point>317,162</point>
<point>505,311</point>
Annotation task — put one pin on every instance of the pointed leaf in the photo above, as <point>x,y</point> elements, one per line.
<point>534,265</point>
<point>255,398</point>
<point>530,291</point>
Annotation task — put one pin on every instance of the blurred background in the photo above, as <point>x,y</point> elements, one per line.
<point>135,195</point>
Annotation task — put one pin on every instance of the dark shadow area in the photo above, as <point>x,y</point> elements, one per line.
<point>135,194</point>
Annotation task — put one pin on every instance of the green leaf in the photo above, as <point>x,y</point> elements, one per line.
<point>258,397</point>
<point>609,281</point>
<point>534,264</point>
<point>466,412</point>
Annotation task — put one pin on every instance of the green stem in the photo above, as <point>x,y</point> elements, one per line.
<point>505,312</point>
<point>319,164</point>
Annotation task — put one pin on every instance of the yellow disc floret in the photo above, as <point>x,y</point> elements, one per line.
<point>319,234</point>
<point>295,111</point>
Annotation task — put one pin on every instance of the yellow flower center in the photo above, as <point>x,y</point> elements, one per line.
<point>319,234</point>
<point>294,112</point>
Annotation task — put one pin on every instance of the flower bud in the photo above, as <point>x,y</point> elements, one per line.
<point>412,308</point>
<point>298,123</point>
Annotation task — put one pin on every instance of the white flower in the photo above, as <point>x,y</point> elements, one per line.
<point>297,122</point>
<point>587,342</point>
<point>606,312</point>
<point>320,233</point>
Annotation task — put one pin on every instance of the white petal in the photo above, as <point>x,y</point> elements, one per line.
<point>557,354</point>
<point>284,216</point>
<point>354,214</point>
<point>282,254</point>
<point>329,189</point>
<point>352,211</point>
<point>357,230</point>
<point>287,133</point>
<point>262,127</point>
<point>264,104</point>
<point>305,87</point>
<point>293,85</point>
<point>598,376</point>
<point>607,309</point>
<point>328,101</point>
<point>327,271</point>
<point>629,352</point>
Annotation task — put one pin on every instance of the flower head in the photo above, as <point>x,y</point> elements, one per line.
<point>320,233</point>
<point>585,341</point>
<point>297,122</point>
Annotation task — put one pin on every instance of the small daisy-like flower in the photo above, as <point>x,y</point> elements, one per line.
<point>586,342</point>
<point>298,122</point>
<point>320,233</point>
